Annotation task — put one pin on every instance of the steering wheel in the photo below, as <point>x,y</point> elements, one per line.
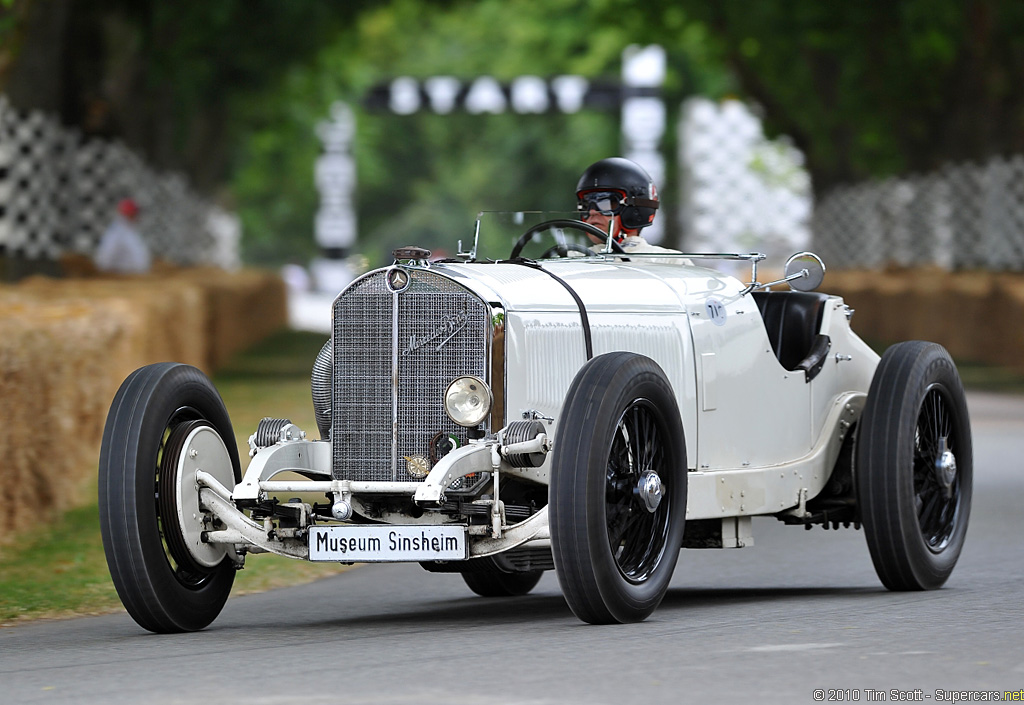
<point>562,223</point>
<point>561,250</point>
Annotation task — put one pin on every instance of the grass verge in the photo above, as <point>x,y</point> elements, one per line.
<point>59,570</point>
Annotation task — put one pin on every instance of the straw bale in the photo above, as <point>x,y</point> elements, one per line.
<point>243,308</point>
<point>975,315</point>
<point>56,382</point>
<point>968,304</point>
<point>66,345</point>
<point>1007,321</point>
<point>859,290</point>
<point>169,315</point>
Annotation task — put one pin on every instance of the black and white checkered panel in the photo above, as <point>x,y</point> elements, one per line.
<point>32,150</point>
<point>175,231</point>
<point>95,192</point>
<point>59,192</point>
<point>963,216</point>
<point>7,153</point>
<point>740,191</point>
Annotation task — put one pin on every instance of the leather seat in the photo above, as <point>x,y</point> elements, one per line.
<point>793,321</point>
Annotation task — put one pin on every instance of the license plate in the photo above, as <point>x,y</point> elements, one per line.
<point>382,544</point>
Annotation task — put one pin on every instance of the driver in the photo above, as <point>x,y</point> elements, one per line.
<point>619,194</point>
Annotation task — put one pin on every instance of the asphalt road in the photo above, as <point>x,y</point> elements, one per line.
<point>801,610</point>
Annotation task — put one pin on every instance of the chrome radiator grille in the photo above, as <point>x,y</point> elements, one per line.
<point>425,336</point>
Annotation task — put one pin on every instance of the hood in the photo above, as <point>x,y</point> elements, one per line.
<point>601,285</point>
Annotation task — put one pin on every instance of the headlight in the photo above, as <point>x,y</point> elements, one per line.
<point>468,401</point>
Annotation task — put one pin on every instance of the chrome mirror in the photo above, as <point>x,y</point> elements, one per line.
<point>805,271</point>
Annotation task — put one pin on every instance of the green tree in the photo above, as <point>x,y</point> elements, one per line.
<point>874,88</point>
<point>422,178</point>
<point>163,76</point>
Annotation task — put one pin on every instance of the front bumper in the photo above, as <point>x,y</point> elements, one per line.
<point>312,460</point>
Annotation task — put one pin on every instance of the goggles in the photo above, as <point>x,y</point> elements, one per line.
<point>604,202</point>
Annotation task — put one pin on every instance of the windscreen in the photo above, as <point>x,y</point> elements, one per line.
<point>534,235</point>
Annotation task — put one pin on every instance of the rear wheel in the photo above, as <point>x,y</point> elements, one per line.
<point>165,421</point>
<point>618,489</point>
<point>915,467</point>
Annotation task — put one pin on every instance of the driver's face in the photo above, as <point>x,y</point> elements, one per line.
<point>600,222</point>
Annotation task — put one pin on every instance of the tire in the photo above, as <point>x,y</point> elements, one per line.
<point>159,582</point>
<point>613,556</point>
<point>495,582</point>
<point>914,467</point>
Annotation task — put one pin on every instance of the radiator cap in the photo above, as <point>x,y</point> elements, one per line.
<point>410,252</point>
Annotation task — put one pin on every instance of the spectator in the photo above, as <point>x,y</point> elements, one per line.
<point>122,249</point>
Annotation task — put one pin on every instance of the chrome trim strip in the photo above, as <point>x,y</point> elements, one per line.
<point>394,386</point>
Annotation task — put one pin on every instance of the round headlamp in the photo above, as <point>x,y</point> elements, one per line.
<point>467,401</point>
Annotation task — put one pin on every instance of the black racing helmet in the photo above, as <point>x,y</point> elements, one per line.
<point>638,197</point>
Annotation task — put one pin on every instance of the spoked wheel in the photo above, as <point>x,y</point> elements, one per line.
<point>915,467</point>
<point>495,582</point>
<point>617,500</point>
<point>166,422</point>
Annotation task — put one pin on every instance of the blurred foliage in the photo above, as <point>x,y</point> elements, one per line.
<point>423,177</point>
<point>875,88</point>
<point>165,77</point>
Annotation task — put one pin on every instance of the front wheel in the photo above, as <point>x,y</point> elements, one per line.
<point>492,581</point>
<point>617,499</point>
<point>165,422</point>
<point>915,467</point>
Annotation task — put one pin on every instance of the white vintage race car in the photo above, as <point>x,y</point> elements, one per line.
<point>585,411</point>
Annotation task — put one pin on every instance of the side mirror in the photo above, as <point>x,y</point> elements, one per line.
<point>804,271</point>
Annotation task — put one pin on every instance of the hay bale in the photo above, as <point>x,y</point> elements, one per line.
<point>243,308</point>
<point>56,383</point>
<point>961,311</point>
<point>1006,321</point>
<point>66,346</point>
<point>967,302</point>
<point>859,290</point>
<point>167,317</point>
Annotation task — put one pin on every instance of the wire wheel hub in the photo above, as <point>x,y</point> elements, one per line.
<point>945,467</point>
<point>650,490</point>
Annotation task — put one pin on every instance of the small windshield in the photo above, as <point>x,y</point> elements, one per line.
<point>537,235</point>
<point>523,233</point>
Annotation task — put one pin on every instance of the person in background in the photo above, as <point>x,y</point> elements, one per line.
<point>122,249</point>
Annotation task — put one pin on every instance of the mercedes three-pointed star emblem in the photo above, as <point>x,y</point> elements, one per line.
<point>398,279</point>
